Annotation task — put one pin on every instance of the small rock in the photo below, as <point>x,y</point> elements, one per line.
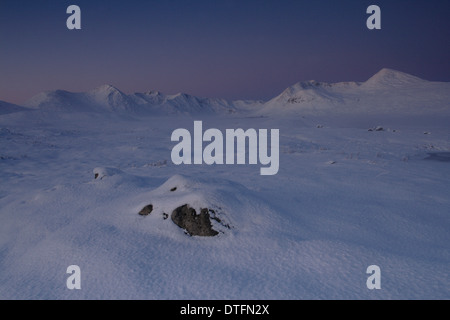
<point>146,210</point>
<point>376,129</point>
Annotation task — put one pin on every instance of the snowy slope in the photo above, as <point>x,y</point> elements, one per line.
<point>109,98</point>
<point>344,199</point>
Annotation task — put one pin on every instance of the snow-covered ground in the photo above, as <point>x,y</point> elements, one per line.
<point>344,198</point>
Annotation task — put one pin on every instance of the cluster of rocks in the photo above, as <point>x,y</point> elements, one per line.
<point>187,218</point>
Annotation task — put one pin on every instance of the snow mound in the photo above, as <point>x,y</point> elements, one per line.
<point>228,205</point>
<point>100,173</point>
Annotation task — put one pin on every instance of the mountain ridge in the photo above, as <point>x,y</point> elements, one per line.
<point>6,107</point>
<point>386,91</point>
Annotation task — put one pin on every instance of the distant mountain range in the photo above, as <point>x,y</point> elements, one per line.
<point>388,91</point>
<point>109,98</point>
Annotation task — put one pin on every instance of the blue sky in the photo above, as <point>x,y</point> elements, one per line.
<point>247,49</point>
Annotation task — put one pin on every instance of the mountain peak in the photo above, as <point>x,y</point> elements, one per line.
<point>153,93</point>
<point>390,77</point>
<point>106,88</point>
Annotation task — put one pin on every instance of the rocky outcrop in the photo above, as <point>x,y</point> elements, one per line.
<point>195,224</point>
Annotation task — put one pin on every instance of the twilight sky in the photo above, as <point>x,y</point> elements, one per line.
<point>234,49</point>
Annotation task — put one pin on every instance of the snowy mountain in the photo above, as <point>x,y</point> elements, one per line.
<point>182,103</point>
<point>6,107</point>
<point>388,78</point>
<point>109,98</point>
<point>387,92</point>
<point>58,100</point>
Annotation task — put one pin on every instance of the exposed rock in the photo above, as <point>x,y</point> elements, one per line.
<point>100,173</point>
<point>376,129</point>
<point>195,224</point>
<point>146,210</point>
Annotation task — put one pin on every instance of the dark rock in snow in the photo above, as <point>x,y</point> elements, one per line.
<point>146,210</point>
<point>195,224</point>
<point>376,129</point>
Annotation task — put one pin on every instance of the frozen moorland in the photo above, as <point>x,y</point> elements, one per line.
<point>364,180</point>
